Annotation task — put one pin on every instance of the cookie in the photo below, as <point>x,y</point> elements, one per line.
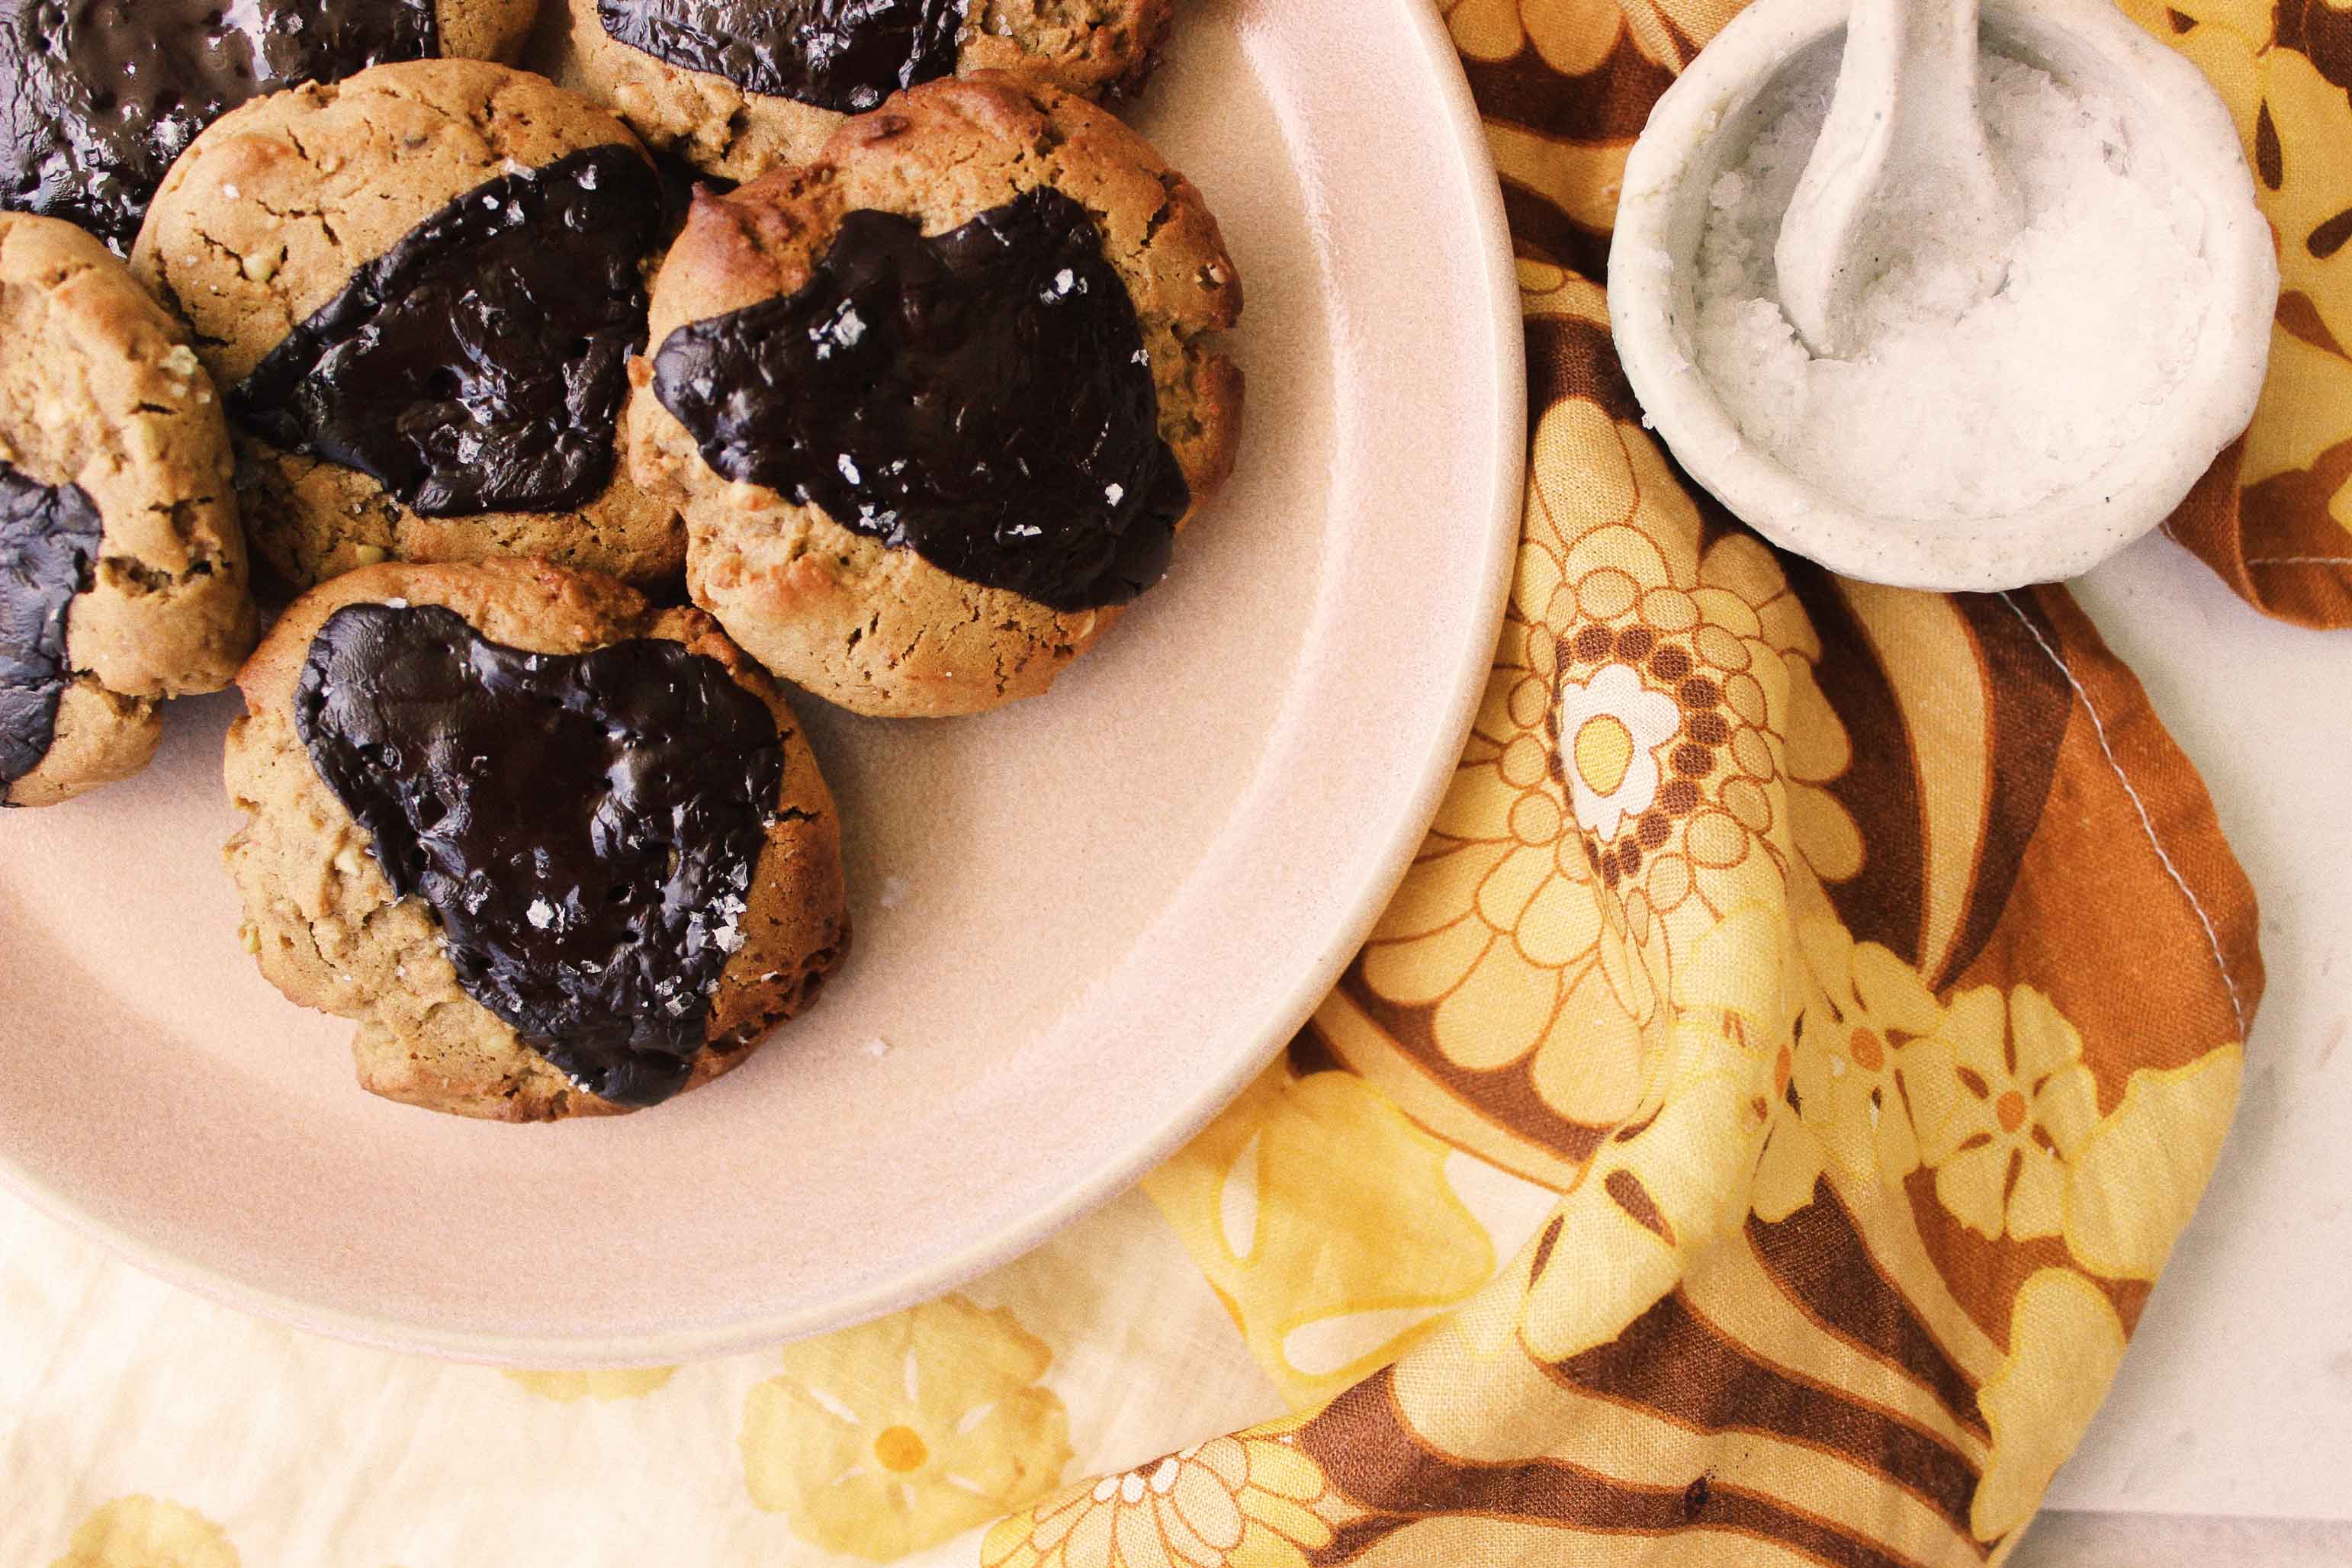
<point>418,291</point>
<point>936,405</point>
<point>122,574</point>
<point>105,93</point>
<point>738,87</point>
<point>559,853</point>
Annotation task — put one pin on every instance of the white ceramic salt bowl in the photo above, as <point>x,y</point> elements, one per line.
<point>1706,121</point>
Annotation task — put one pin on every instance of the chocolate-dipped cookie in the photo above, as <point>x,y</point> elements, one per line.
<point>418,291</point>
<point>122,574</point>
<point>738,87</point>
<point>936,405</point>
<point>558,852</point>
<point>105,93</point>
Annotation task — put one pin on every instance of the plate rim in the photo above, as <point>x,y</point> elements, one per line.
<point>1461,132</point>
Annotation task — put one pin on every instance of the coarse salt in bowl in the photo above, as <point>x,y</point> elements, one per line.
<point>2073,448</point>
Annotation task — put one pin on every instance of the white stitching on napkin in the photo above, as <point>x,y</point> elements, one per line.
<point>2098,727</point>
<point>2299,561</point>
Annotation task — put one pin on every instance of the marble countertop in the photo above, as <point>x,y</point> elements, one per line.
<point>2144,1540</point>
<point>2235,1398</point>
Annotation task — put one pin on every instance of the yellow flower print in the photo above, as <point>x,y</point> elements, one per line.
<point>147,1532</point>
<point>1576,37</point>
<point>2064,1345</point>
<point>1791,1165</point>
<point>2293,120</point>
<point>1526,963</point>
<point>2003,1104</point>
<point>1613,537</point>
<point>1864,1006</point>
<point>1611,728</point>
<point>1534,940</point>
<point>1736,813</point>
<point>565,1387</point>
<point>894,1435</point>
<point>2251,20</point>
<point>1245,1501</point>
<point>2305,189</point>
<point>1837,1096</point>
<point>1747,971</point>
<point>1672,32</point>
<point>1326,1280</point>
<point>1572,36</point>
<point>2136,1181</point>
<point>1612,567</point>
<point>1654,1203</point>
<point>1497,928</point>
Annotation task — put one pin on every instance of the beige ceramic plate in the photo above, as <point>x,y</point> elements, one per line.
<point>1083,923</point>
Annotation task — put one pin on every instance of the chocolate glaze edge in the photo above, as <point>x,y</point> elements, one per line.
<point>1047,472</point>
<point>51,537</point>
<point>798,945</point>
<point>533,595</point>
<point>845,56</point>
<point>105,99</point>
<point>679,1042</point>
<point>495,387</point>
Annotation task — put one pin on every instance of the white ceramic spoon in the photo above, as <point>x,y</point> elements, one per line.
<point>1903,123</point>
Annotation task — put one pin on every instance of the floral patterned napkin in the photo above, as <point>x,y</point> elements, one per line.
<point>1748,1139</point>
<point>2274,517</point>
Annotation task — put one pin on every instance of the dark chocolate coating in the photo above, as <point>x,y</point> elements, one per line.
<point>585,826</point>
<point>101,95</point>
<point>479,364</point>
<point>981,397</point>
<point>844,54</point>
<point>49,535</point>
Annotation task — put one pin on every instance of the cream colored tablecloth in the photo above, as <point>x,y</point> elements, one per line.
<point>1750,1138</point>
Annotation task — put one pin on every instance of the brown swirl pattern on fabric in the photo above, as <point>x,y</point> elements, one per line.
<point>1864,969</point>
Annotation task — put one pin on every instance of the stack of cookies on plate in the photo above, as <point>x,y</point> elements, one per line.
<point>559,415</point>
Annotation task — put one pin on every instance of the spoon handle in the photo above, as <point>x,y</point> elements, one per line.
<point>1934,53</point>
<point>1903,122</point>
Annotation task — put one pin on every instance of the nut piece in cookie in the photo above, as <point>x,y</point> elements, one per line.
<point>738,87</point>
<point>936,405</point>
<point>122,572</point>
<point>105,93</point>
<point>559,853</point>
<point>419,290</point>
